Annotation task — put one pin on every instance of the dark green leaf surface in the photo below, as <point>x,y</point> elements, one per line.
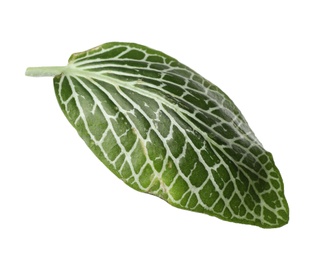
<point>165,130</point>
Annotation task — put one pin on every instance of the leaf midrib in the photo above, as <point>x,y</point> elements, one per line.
<point>117,83</point>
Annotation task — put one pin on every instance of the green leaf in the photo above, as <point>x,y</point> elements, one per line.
<point>165,130</point>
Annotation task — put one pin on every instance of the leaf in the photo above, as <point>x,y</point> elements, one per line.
<point>165,130</point>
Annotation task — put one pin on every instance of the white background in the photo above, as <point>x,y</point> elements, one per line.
<point>57,201</point>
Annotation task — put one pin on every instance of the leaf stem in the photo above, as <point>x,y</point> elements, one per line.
<point>45,71</point>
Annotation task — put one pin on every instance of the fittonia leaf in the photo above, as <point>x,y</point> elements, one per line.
<point>165,130</point>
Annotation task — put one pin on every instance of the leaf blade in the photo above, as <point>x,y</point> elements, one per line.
<point>165,130</point>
